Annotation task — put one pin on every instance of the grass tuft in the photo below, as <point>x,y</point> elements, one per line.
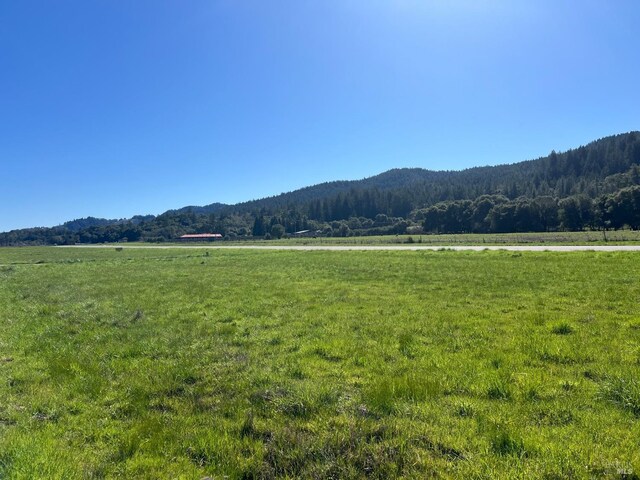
<point>504,443</point>
<point>624,392</point>
<point>384,393</point>
<point>499,389</point>
<point>407,344</point>
<point>562,329</point>
<point>464,409</point>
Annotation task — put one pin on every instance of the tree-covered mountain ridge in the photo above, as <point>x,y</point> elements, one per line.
<point>595,168</point>
<point>593,186</point>
<point>391,179</point>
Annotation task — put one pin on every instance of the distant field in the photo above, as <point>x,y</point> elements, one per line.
<point>619,237</point>
<point>271,364</point>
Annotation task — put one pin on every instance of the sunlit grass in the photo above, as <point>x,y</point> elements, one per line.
<point>617,237</point>
<point>187,363</point>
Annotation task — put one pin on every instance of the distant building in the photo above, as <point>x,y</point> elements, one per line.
<point>307,233</point>
<point>200,237</point>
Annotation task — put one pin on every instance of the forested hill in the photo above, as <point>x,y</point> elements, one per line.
<point>397,178</point>
<point>589,170</point>
<point>594,186</point>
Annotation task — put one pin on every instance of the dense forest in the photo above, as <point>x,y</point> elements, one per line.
<point>596,186</point>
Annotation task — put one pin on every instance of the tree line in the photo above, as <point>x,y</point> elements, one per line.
<point>498,214</point>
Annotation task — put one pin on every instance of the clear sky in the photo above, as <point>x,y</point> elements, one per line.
<point>115,108</point>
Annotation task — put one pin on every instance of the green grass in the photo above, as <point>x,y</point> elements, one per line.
<point>618,237</point>
<point>283,364</point>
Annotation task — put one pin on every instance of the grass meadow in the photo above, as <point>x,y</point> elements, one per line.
<point>613,237</point>
<point>285,364</point>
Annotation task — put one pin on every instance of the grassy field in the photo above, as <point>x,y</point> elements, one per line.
<point>618,237</point>
<point>281,364</point>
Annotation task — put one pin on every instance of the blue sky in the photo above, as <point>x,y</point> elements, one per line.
<point>115,108</point>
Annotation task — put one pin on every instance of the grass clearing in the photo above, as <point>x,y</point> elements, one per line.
<point>271,364</point>
<point>613,237</point>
